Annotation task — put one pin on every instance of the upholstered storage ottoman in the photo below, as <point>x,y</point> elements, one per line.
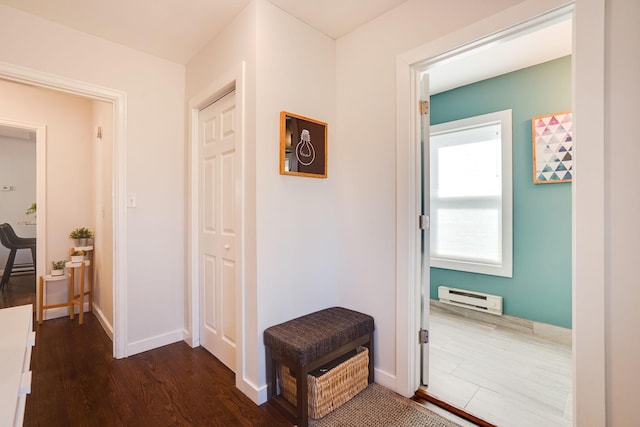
<point>310,342</point>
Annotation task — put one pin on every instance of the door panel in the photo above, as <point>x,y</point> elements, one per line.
<point>229,278</point>
<point>209,292</point>
<point>425,258</point>
<point>217,228</point>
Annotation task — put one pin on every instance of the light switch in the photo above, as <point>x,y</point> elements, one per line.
<point>131,200</point>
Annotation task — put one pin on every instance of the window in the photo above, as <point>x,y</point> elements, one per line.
<point>471,196</point>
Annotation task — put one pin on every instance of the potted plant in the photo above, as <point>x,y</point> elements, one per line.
<point>32,210</point>
<point>77,256</point>
<point>81,236</point>
<point>57,268</point>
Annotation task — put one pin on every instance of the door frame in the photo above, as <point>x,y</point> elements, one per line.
<point>233,79</point>
<point>422,74</point>
<point>118,99</point>
<point>588,201</point>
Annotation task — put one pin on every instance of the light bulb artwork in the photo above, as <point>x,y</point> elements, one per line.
<point>299,155</point>
<point>305,152</point>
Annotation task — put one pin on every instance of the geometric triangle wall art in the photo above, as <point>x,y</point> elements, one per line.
<point>552,144</point>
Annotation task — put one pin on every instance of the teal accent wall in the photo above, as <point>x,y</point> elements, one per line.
<point>540,289</point>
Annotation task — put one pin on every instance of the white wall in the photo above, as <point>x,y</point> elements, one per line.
<point>154,160</point>
<point>207,73</point>
<point>606,324</point>
<point>102,117</point>
<point>622,44</point>
<point>297,217</point>
<point>291,238</point>
<point>366,152</point>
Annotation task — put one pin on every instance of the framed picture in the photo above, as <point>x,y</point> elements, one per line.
<point>303,146</point>
<point>552,140</point>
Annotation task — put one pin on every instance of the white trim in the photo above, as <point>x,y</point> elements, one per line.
<point>407,236</point>
<point>589,243</point>
<point>41,203</point>
<point>504,25</point>
<point>58,312</point>
<point>108,327</point>
<point>55,313</point>
<point>386,379</point>
<point>232,79</point>
<point>119,99</point>
<point>505,266</point>
<point>251,390</point>
<point>120,238</point>
<point>154,342</point>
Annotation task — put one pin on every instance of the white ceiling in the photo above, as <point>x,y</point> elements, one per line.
<point>177,29</point>
<point>551,41</point>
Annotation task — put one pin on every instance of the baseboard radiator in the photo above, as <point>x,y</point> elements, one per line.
<point>469,299</point>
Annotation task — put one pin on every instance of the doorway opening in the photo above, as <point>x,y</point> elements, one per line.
<point>416,63</point>
<point>476,355</point>
<point>21,144</point>
<point>115,259</point>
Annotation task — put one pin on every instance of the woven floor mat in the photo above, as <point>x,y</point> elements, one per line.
<point>377,406</point>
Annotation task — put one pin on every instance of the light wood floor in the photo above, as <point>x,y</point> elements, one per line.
<point>506,377</point>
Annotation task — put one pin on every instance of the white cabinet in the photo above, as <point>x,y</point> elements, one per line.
<point>16,340</point>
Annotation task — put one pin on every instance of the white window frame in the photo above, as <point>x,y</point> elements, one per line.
<point>505,268</point>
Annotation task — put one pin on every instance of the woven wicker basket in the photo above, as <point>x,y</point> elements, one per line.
<point>331,389</point>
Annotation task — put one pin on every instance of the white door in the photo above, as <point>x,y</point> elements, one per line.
<point>425,118</point>
<point>217,228</point>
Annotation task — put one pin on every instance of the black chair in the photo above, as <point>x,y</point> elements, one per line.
<point>13,242</point>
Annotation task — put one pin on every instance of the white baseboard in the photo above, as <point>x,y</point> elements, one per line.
<point>188,338</point>
<point>108,328</point>
<point>553,333</point>
<point>55,313</point>
<point>257,394</point>
<point>153,342</point>
<point>385,379</point>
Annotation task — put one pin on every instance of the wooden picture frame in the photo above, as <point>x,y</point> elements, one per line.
<point>552,146</point>
<point>303,146</point>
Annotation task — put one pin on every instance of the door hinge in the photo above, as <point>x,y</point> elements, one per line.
<point>423,336</point>
<point>423,222</point>
<point>424,107</point>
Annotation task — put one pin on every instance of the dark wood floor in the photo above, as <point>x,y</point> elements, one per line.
<point>20,290</point>
<point>76,382</point>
